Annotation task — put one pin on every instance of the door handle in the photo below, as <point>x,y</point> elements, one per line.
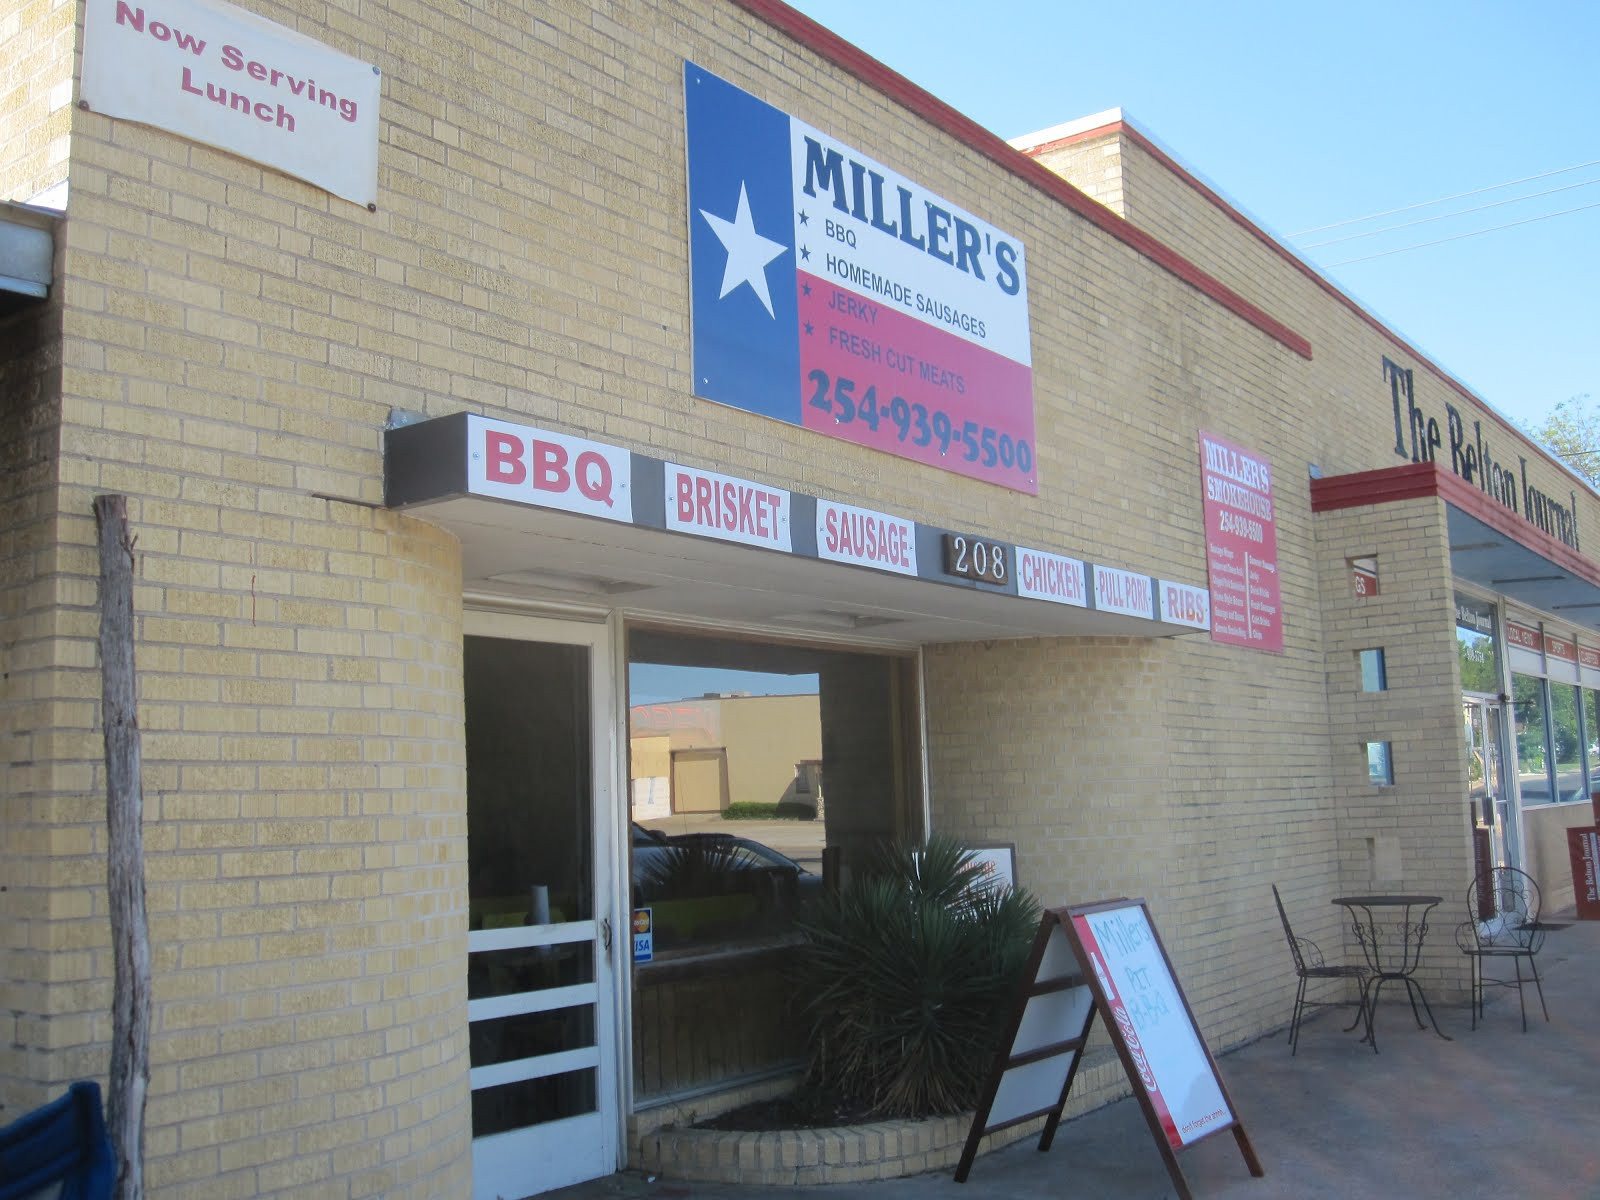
<point>605,933</point>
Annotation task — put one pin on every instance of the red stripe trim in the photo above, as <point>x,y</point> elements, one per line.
<point>1295,261</point>
<point>1416,480</point>
<point>968,132</point>
<point>1362,488</point>
<point>1083,135</point>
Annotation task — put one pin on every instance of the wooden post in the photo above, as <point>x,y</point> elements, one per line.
<point>130,933</point>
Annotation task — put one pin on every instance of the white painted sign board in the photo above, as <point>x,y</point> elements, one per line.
<point>218,74</point>
<point>1150,1023</point>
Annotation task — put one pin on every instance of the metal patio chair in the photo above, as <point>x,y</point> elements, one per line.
<point>1309,965</point>
<point>1511,930</point>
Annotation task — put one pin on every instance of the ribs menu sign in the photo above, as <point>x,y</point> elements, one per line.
<point>1241,546</point>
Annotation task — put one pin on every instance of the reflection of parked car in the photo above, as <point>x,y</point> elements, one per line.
<point>691,864</point>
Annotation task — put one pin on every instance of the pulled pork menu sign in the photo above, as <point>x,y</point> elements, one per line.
<point>1241,546</point>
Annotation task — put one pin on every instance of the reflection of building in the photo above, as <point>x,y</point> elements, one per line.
<point>1092,572</point>
<point>700,755</point>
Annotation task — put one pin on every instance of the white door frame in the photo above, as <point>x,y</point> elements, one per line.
<point>523,1162</point>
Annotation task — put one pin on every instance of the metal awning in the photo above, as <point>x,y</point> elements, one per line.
<point>27,254</point>
<point>1491,546</point>
<point>532,550</point>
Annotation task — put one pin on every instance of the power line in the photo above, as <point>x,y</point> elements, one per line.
<point>1443,199</point>
<point>1459,236</point>
<point>1351,237</point>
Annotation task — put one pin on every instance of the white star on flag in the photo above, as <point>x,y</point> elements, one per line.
<point>748,252</point>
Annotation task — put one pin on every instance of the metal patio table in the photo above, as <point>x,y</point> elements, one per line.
<point>1391,938</point>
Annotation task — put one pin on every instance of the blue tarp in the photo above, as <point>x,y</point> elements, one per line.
<point>63,1142</point>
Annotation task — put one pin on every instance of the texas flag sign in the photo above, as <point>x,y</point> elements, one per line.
<point>830,292</point>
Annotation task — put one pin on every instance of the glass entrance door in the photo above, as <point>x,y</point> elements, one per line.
<point>1493,806</point>
<point>541,1000</point>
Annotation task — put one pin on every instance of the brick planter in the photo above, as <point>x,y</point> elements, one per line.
<point>844,1154</point>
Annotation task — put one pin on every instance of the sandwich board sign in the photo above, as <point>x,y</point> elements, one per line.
<point>1122,971</point>
<point>1042,1045</point>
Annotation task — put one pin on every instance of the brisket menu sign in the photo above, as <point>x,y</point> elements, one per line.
<point>1241,546</point>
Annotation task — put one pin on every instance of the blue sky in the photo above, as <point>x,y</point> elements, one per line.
<point>1303,115</point>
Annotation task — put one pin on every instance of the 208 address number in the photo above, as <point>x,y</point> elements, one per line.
<point>974,558</point>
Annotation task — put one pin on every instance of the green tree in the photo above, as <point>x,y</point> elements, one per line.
<point>1572,433</point>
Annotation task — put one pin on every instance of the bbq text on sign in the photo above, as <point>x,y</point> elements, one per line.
<point>549,470</point>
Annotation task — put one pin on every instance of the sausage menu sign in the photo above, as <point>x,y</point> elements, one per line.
<point>833,293</point>
<point>1241,546</point>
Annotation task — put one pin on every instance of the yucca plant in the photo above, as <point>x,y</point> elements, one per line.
<point>907,975</point>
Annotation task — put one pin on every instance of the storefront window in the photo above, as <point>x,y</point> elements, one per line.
<point>759,774</point>
<point>1565,736</point>
<point>1533,758</point>
<point>1476,646</point>
<point>1591,738</point>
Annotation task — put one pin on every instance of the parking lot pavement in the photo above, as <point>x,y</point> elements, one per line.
<point>1486,1115</point>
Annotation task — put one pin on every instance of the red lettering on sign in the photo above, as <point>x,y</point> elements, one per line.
<point>685,499</point>
<point>594,476</point>
<point>550,468</point>
<point>502,458</point>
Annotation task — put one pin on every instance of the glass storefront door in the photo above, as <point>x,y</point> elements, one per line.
<point>1493,805</point>
<point>541,960</point>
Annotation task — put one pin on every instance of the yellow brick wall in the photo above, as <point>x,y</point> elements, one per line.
<point>1345,393</point>
<point>32,694</point>
<point>1094,166</point>
<point>232,341</point>
<point>1154,769</point>
<point>36,93</point>
<point>1414,836</point>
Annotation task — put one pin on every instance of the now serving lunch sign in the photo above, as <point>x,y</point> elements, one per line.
<point>225,77</point>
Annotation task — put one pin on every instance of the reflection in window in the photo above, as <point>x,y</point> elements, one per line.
<point>1374,675</point>
<point>1479,670</point>
<point>1565,737</point>
<point>1380,765</point>
<point>1476,646</point>
<point>1591,738</point>
<point>1533,757</point>
<point>746,761</point>
<point>751,765</point>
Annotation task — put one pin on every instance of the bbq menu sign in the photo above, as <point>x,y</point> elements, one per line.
<point>1241,546</point>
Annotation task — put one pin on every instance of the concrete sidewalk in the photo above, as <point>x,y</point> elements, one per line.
<point>1492,1113</point>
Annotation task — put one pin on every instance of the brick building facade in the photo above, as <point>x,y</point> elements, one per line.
<point>281,381</point>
